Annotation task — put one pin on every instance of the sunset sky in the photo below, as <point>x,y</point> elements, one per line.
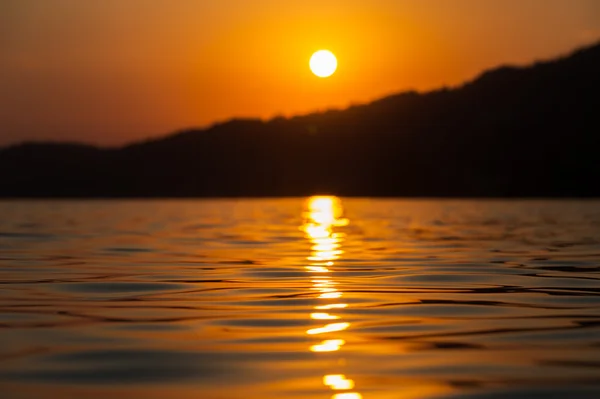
<point>114,71</point>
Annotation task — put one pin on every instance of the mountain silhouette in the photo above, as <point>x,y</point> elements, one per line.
<point>513,131</point>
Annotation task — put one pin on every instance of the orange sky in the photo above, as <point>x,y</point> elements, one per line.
<point>114,71</point>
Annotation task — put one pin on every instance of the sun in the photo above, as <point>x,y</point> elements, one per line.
<point>323,63</point>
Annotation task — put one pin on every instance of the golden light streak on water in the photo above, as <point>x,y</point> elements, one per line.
<point>325,284</point>
<point>326,289</point>
<point>331,295</point>
<point>330,345</point>
<point>328,328</point>
<point>317,269</point>
<point>332,306</point>
<point>327,255</point>
<point>325,213</point>
<point>338,382</point>
<point>323,316</point>
<point>348,395</point>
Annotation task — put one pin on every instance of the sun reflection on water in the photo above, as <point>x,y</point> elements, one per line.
<point>330,345</point>
<point>348,395</point>
<point>338,382</point>
<point>328,328</point>
<point>323,215</point>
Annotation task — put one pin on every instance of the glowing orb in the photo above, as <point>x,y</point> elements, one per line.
<point>323,63</point>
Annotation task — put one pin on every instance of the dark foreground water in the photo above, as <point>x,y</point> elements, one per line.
<point>296,299</point>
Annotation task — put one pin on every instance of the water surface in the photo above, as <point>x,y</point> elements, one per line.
<point>289,298</point>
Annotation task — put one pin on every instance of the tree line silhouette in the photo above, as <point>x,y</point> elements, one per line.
<point>513,131</point>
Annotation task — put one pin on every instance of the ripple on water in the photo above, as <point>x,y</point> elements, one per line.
<point>125,367</point>
<point>119,287</point>
<point>236,299</point>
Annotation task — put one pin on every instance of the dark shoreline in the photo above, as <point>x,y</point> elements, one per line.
<point>513,132</point>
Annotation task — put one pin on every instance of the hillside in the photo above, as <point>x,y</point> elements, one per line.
<point>528,131</point>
